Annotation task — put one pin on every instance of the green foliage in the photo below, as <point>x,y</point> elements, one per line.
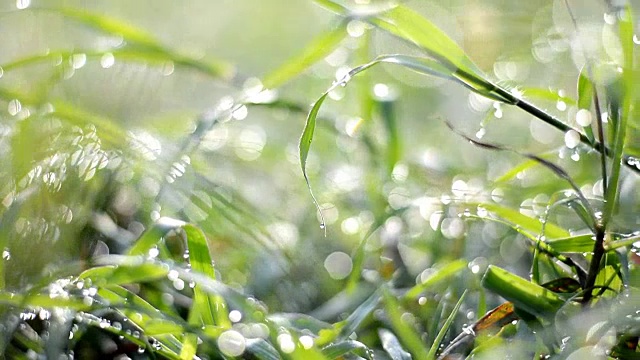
<point>177,231</point>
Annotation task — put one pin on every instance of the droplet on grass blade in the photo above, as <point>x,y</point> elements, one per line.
<point>583,117</point>
<point>571,139</point>
<point>231,343</point>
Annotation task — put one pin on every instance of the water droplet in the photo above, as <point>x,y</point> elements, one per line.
<point>235,316</point>
<point>286,344</point>
<point>480,134</point>
<point>571,139</point>
<point>231,343</point>
<point>322,226</point>
<point>356,28</point>
<point>22,4</point>
<point>583,117</point>
<point>78,60</point>
<point>14,107</point>
<point>240,113</point>
<point>306,341</point>
<point>107,60</point>
<point>6,254</point>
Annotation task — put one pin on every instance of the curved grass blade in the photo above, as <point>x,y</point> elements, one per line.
<point>141,38</point>
<point>411,26</point>
<point>443,331</point>
<point>351,323</point>
<point>392,346</point>
<point>528,296</point>
<point>305,145</point>
<point>316,50</point>
<point>549,230</point>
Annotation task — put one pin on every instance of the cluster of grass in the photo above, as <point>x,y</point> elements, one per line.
<point>133,273</point>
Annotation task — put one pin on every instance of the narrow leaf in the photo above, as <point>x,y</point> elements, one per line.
<point>443,331</point>
<point>528,296</point>
<point>316,50</point>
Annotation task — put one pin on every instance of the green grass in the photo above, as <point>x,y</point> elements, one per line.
<point>121,239</point>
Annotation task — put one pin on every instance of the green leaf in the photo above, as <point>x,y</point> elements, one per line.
<point>210,308</point>
<point>444,274</point>
<point>411,26</point>
<point>550,230</point>
<point>585,90</point>
<point>142,40</point>
<point>407,334</point>
<point>316,50</point>
<point>447,324</point>
<point>573,244</point>
<point>305,145</point>
<point>620,94</point>
<point>525,295</point>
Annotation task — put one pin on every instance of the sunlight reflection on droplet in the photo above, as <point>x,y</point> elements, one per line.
<point>306,341</point>
<point>286,344</point>
<point>583,117</point>
<point>78,60</point>
<point>356,28</point>
<point>22,4</point>
<point>571,139</point>
<point>235,316</point>
<point>107,60</point>
<point>231,343</point>
<point>14,107</point>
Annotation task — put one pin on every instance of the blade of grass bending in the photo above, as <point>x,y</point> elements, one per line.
<point>527,223</point>
<point>528,296</point>
<point>407,334</point>
<point>139,37</point>
<point>316,50</point>
<point>443,331</point>
<point>210,308</point>
<point>392,346</point>
<point>445,273</point>
<point>305,145</point>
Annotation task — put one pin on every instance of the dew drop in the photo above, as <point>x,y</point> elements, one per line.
<point>22,4</point>
<point>231,343</point>
<point>572,139</point>
<point>583,117</point>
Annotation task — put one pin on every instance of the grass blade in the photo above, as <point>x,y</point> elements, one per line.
<point>305,145</point>
<point>443,331</point>
<point>316,50</point>
<point>210,308</point>
<point>528,296</point>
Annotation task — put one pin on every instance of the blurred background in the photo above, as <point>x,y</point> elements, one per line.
<point>99,140</point>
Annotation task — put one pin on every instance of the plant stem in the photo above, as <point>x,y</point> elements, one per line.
<point>555,122</point>
<point>594,267</point>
